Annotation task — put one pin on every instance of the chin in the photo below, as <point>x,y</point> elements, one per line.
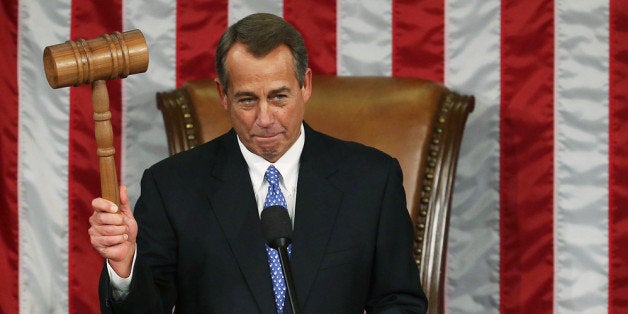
<point>271,156</point>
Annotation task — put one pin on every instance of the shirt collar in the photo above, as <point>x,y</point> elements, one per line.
<point>288,164</point>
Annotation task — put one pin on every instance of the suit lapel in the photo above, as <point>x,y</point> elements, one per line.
<point>233,202</point>
<point>316,208</point>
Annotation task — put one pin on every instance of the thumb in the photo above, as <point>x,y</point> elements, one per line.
<point>125,207</point>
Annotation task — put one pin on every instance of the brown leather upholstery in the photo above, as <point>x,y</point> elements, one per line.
<point>419,122</point>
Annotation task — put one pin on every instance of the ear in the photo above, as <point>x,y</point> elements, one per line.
<point>306,90</point>
<point>222,93</point>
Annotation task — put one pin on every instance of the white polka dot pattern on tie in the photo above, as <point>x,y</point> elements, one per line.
<point>275,197</point>
<point>279,285</point>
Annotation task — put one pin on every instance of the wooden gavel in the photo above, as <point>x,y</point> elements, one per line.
<point>110,56</point>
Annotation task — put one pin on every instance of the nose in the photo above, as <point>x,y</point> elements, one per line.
<point>265,116</point>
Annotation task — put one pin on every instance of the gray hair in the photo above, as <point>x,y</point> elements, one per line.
<point>261,33</point>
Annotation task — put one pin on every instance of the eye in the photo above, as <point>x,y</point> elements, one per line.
<point>279,99</point>
<point>246,101</point>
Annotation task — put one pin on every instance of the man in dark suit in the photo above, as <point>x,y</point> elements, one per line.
<point>200,249</point>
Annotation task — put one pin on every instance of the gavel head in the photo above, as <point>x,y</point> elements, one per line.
<point>104,58</point>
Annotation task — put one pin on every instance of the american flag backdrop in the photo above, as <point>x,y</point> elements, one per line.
<point>540,216</point>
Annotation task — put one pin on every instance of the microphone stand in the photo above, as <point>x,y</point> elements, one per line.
<point>282,248</point>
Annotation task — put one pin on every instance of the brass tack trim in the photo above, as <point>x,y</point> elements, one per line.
<point>186,114</point>
<point>428,179</point>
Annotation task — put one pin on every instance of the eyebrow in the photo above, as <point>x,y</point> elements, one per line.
<point>279,90</point>
<point>272,92</point>
<point>244,94</point>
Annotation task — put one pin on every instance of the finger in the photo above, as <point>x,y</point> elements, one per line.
<point>110,230</point>
<point>108,241</point>
<point>114,253</point>
<point>102,205</point>
<point>105,218</point>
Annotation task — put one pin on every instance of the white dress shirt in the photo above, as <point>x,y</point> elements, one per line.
<point>288,166</point>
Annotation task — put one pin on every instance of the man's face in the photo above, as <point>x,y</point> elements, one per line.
<point>264,100</point>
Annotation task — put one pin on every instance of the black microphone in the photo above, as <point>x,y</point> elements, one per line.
<point>277,230</point>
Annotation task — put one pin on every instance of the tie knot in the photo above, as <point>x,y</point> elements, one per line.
<point>272,175</point>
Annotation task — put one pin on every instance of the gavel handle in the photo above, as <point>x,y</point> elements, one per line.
<point>104,139</point>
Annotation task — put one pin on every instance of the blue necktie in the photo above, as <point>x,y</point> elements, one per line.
<point>275,197</point>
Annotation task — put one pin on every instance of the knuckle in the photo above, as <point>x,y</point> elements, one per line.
<point>111,230</point>
<point>113,240</point>
<point>109,240</point>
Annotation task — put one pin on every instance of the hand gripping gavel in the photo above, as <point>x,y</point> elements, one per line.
<point>110,56</point>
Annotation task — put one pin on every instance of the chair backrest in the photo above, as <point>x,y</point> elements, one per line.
<point>419,122</point>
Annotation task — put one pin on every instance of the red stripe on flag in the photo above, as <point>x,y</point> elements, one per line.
<point>418,39</point>
<point>526,171</point>
<point>199,26</point>
<point>618,123</point>
<point>90,19</point>
<point>316,21</point>
<point>9,247</point>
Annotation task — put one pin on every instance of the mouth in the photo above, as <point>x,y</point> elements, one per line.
<point>267,135</point>
<point>267,138</point>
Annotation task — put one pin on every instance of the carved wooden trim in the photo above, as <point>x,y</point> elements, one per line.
<point>436,190</point>
<point>178,113</point>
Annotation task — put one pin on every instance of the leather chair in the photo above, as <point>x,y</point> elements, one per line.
<point>419,122</point>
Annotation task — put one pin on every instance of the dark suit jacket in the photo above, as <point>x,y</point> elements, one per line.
<point>200,244</point>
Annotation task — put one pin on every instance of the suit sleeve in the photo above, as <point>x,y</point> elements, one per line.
<point>152,288</point>
<point>395,284</point>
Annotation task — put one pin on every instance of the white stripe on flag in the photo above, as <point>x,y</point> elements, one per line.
<point>581,157</point>
<point>239,9</point>
<point>472,65</point>
<point>43,162</point>
<point>143,136</point>
<point>364,37</point>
